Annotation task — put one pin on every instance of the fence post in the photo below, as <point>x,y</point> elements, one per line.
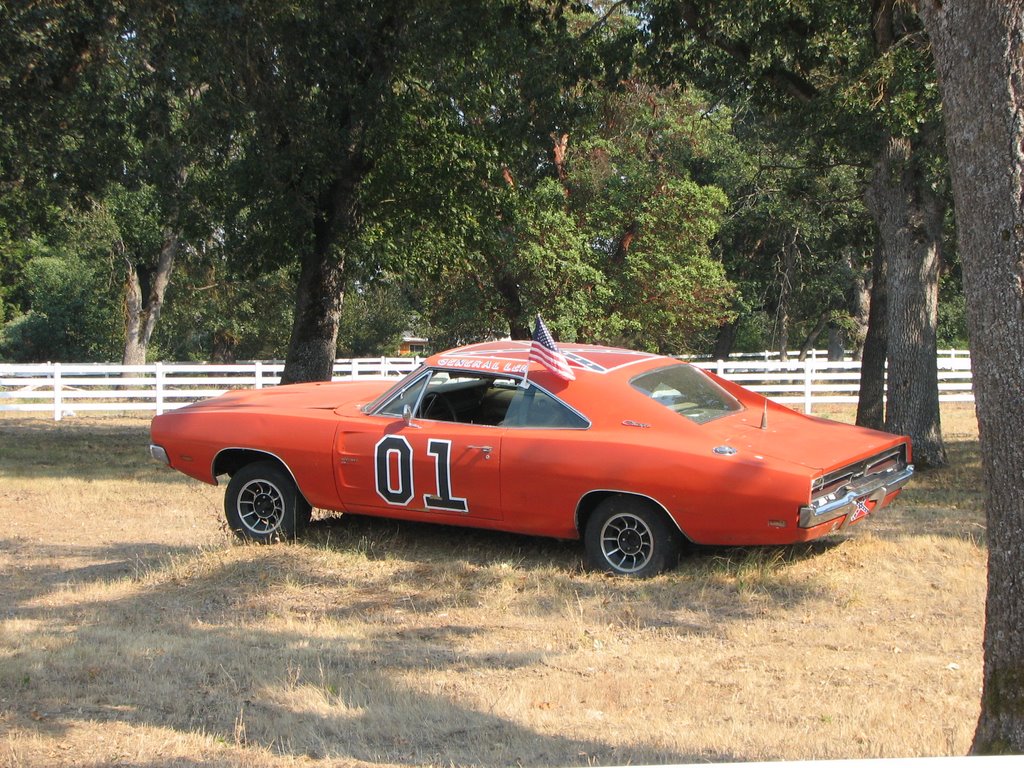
<point>158,370</point>
<point>808,383</point>
<point>58,400</point>
<point>258,374</point>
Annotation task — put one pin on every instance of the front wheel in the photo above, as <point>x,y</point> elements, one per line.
<point>630,537</point>
<point>263,504</point>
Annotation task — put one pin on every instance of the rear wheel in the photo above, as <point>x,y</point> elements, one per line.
<point>263,504</point>
<point>630,537</point>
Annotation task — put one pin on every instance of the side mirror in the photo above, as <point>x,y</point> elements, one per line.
<point>407,414</point>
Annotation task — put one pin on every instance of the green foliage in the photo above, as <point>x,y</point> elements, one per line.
<point>526,255</point>
<point>71,304</point>
<point>611,244</point>
<point>214,313</point>
<point>649,222</point>
<point>462,203</point>
<point>670,289</point>
<point>13,256</point>
<point>374,318</point>
<point>102,107</point>
<point>818,86</point>
<point>952,327</point>
<point>69,318</point>
<point>796,235</point>
<point>235,125</point>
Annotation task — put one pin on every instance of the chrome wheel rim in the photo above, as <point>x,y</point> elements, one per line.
<point>627,543</point>
<point>261,507</point>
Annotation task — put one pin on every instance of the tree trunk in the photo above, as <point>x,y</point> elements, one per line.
<point>314,339</point>
<point>836,344</point>
<point>320,290</point>
<point>871,398</point>
<point>789,254</point>
<point>512,306</point>
<point>978,47</point>
<point>812,337</point>
<point>860,309</point>
<point>144,298</point>
<point>909,220</point>
<point>725,340</point>
<point>145,288</point>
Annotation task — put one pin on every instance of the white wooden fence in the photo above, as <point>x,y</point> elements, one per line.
<point>66,389</point>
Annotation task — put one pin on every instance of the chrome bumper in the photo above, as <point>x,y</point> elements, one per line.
<point>873,488</point>
<point>159,454</point>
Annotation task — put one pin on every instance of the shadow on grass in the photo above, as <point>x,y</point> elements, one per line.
<point>705,577</point>
<point>195,642</point>
<point>947,502</point>
<point>352,664</point>
<point>38,576</point>
<point>90,450</point>
<point>382,538</point>
<point>312,650</point>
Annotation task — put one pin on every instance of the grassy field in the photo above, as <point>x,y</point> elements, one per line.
<point>135,631</point>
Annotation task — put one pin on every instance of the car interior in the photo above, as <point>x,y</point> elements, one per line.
<point>492,401</point>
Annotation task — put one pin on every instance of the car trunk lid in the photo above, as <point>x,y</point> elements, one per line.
<point>817,444</point>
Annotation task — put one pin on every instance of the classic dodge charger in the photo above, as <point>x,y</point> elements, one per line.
<point>634,453</point>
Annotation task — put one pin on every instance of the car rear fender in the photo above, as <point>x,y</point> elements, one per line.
<point>590,500</point>
<point>230,460</point>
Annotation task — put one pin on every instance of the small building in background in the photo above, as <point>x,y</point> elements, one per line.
<point>413,345</point>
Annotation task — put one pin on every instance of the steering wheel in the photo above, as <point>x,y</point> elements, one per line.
<point>437,407</point>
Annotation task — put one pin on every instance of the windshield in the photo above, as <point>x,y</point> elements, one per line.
<point>688,391</point>
<point>404,386</point>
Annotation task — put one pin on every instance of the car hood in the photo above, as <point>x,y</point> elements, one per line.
<point>807,441</point>
<point>325,395</point>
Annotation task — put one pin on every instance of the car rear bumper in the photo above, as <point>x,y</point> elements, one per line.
<point>159,454</point>
<point>864,495</point>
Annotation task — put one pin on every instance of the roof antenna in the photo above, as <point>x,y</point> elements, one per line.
<point>764,415</point>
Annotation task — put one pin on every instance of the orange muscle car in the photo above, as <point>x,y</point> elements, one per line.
<point>636,455</point>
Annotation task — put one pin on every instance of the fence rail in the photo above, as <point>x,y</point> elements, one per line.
<point>66,389</point>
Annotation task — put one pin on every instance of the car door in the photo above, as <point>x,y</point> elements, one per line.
<point>433,465</point>
<point>549,462</point>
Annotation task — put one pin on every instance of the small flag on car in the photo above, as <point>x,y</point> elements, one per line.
<point>544,351</point>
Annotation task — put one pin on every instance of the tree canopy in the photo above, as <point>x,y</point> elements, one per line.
<point>481,161</point>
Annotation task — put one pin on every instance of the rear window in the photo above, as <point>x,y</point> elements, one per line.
<point>688,391</point>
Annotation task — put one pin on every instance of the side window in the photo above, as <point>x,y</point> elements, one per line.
<point>467,398</point>
<point>536,409</point>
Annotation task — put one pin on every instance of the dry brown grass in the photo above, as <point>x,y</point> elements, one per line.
<point>134,631</point>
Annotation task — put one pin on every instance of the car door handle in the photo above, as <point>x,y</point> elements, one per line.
<point>485,449</point>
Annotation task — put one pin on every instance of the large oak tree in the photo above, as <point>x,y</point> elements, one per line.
<point>328,97</point>
<point>978,47</point>
<point>102,101</point>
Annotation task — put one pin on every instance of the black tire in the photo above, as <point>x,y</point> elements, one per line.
<point>263,504</point>
<point>628,536</point>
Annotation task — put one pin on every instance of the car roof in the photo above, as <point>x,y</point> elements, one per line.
<point>512,357</point>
